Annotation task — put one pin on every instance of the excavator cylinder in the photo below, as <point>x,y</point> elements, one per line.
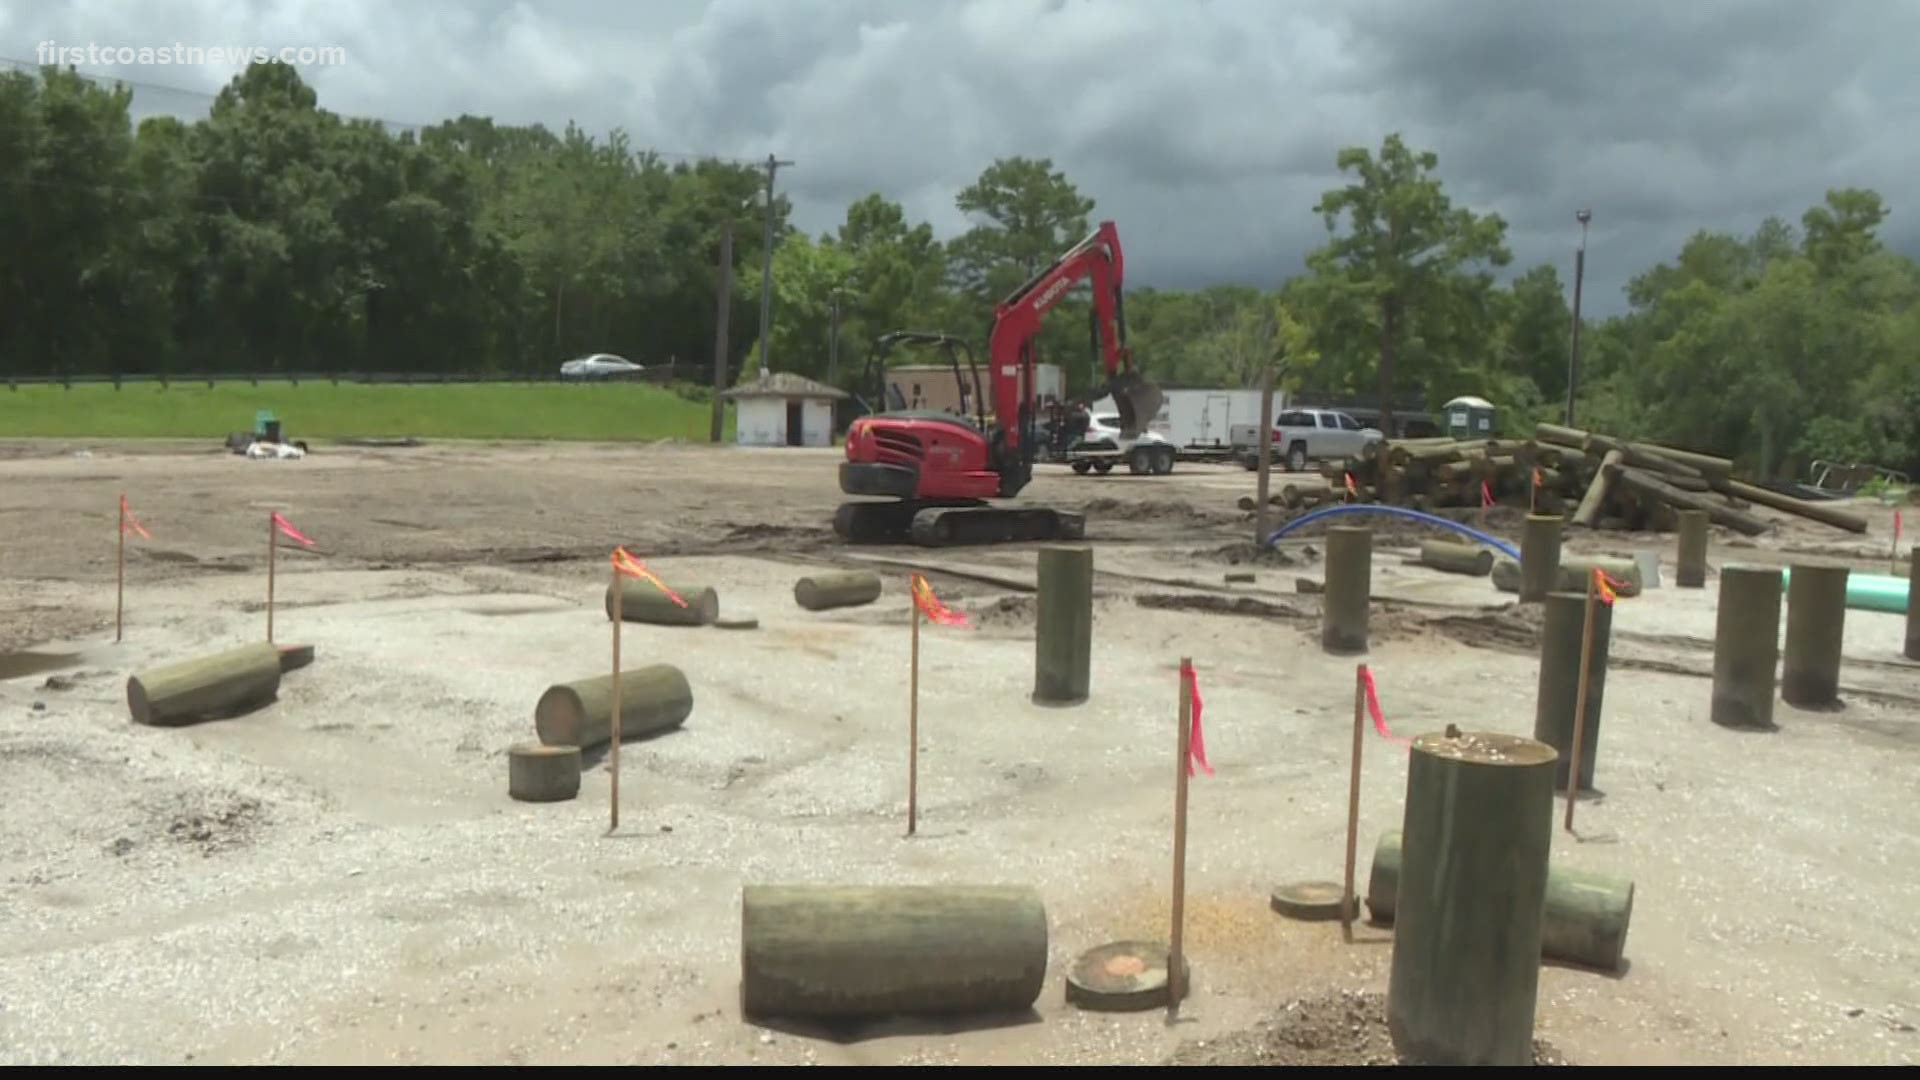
<point>1137,400</point>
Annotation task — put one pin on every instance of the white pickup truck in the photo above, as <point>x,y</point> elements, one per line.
<point>1305,435</point>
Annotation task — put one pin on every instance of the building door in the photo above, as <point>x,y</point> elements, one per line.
<point>795,435</point>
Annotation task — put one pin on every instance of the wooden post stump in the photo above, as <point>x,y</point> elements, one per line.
<point>1558,696</point>
<point>213,687</point>
<point>1473,881</point>
<point>1344,610</point>
<point>1816,618</point>
<point>1584,922</point>
<point>580,713</point>
<point>1063,634</point>
<point>1746,647</point>
<point>830,952</point>
<point>851,588</point>
<point>540,773</point>
<point>1539,557</point>
<point>1692,571</point>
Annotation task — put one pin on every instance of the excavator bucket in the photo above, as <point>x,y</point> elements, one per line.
<point>1137,400</point>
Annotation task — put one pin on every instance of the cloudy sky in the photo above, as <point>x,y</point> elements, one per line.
<point>1205,128</point>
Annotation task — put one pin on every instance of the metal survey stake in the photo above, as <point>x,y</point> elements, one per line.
<point>120,574</point>
<point>913,724</point>
<point>1180,765</point>
<point>1353,800</point>
<point>1580,702</point>
<point>273,550</point>
<point>613,722</point>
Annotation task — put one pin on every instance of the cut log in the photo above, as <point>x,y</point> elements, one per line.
<point>214,687</point>
<point>652,699</point>
<point>1063,632</point>
<point>1596,496</point>
<point>1653,487</point>
<point>1825,515</point>
<point>850,588</point>
<point>1557,699</point>
<point>1465,975</point>
<point>1456,558</point>
<point>828,952</point>
<point>1913,602</point>
<point>539,773</point>
<point>1586,915</point>
<point>1571,575</point>
<point>1125,976</point>
<point>1816,619</point>
<point>1707,464</point>
<point>643,602</point>
<point>1560,436</point>
<point>295,657</point>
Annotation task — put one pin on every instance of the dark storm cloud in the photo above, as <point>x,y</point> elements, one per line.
<point>1206,128</point>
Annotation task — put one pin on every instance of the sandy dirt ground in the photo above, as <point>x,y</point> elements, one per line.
<point>340,877</point>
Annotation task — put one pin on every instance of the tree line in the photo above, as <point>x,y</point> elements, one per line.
<point>275,235</point>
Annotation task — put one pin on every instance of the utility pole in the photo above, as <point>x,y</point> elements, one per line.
<point>833,334</point>
<point>725,304</point>
<point>1579,274</point>
<point>766,266</point>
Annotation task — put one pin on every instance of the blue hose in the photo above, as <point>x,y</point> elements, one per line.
<point>1396,511</point>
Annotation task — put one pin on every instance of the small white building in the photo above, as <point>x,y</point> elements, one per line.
<point>780,409</point>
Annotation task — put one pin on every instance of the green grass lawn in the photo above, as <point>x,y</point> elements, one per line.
<point>321,410</point>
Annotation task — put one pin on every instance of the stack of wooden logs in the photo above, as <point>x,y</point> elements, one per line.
<point>1593,479</point>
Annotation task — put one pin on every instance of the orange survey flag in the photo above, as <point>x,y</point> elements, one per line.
<point>1196,745</point>
<point>1603,585</point>
<point>1351,488</point>
<point>626,565</point>
<point>286,528</point>
<point>129,522</point>
<point>930,605</point>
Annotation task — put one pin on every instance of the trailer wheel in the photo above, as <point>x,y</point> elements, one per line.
<point>1163,460</point>
<point>1103,467</point>
<point>1081,467</point>
<point>1140,461</point>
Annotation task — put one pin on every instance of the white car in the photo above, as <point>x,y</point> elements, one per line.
<point>1102,447</point>
<point>599,366</point>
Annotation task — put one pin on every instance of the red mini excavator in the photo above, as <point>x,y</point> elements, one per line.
<point>937,470</point>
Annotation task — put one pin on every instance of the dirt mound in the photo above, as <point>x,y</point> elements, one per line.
<point>1006,611</point>
<point>1246,553</point>
<point>215,821</point>
<point>1332,1029</point>
<point>1516,629</point>
<point>1219,605</point>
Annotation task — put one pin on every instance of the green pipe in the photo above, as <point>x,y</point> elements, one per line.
<point>1869,592</point>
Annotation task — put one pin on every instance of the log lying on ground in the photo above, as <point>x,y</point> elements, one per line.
<point>1652,487</point>
<point>1587,914</point>
<point>652,699</point>
<point>1826,515</point>
<point>218,686</point>
<point>1571,576</point>
<point>850,588</point>
<point>643,602</point>
<point>1596,496</point>
<point>540,773</point>
<point>1456,558</point>
<point>294,657</point>
<point>829,952</point>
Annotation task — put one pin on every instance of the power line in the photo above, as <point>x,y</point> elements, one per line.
<point>411,126</point>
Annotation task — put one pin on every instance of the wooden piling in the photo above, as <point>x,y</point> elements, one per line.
<point>1692,571</point>
<point>1557,699</point>
<point>1746,647</point>
<point>1063,634</point>
<point>1539,557</point>
<point>1344,608</point>
<point>1816,618</point>
<point>1468,923</point>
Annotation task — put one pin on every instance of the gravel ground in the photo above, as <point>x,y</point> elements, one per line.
<point>339,877</point>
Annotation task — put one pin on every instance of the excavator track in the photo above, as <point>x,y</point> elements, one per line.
<point>953,524</point>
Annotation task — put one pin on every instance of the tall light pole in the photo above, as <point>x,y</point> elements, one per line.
<point>1579,275</point>
<point>766,266</point>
